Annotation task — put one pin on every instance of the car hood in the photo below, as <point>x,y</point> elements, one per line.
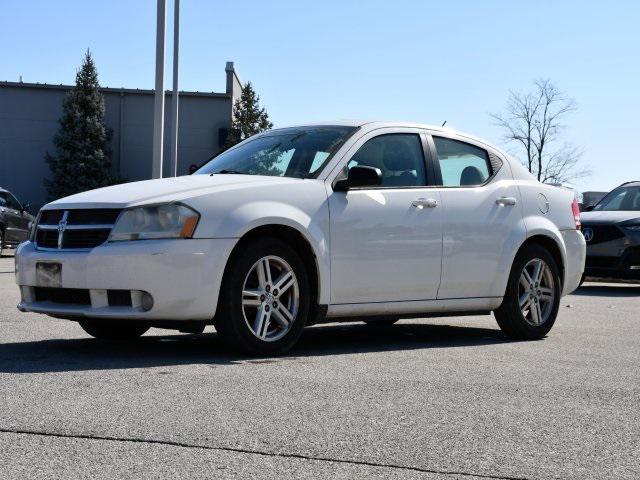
<point>608,216</point>
<point>164,190</point>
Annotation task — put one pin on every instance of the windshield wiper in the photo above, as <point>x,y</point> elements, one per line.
<point>236,172</point>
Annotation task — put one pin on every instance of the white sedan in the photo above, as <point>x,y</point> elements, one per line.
<point>335,222</point>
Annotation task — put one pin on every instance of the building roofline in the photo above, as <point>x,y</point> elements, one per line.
<point>4,83</point>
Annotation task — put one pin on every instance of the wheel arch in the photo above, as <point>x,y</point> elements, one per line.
<point>553,246</point>
<point>296,238</point>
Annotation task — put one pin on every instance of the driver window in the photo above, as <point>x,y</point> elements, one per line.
<point>398,156</point>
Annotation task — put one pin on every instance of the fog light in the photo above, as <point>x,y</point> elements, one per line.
<point>146,301</point>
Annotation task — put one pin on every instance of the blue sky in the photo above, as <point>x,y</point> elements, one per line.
<point>407,60</point>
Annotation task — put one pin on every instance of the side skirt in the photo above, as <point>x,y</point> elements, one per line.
<point>417,308</point>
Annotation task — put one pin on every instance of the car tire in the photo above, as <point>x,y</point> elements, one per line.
<point>529,309</point>
<point>253,315</point>
<point>113,329</point>
<point>1,242</point>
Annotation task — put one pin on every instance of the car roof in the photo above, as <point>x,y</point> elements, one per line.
<point>373,124</point>
<point>632,183</point>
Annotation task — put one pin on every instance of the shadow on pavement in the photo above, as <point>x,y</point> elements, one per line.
<point>83,354</point>
<point>622,290</point>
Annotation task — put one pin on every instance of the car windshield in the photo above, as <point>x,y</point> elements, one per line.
<point>299,152</point>
<point>622,199</point>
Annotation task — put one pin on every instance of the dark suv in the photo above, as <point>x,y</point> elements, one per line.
<point>612,231</point>
<point>15,220</point>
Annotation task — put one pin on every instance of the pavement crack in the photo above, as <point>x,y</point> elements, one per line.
<point>263,453</point>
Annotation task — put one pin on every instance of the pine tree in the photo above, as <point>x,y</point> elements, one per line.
<point>82,154</point>
<point>248,117</point>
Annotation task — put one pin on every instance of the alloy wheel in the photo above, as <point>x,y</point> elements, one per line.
<point>270,298</point>
<point>536,292</point>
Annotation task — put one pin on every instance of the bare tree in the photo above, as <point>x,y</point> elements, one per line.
<point>534,121</point>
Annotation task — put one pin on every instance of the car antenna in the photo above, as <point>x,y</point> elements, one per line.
<point>443,123</point>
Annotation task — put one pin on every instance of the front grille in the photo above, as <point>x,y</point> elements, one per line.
<point>75,229</point>
<point>603,233</point>
<point>85,238</point>
<point>106,216</point>
<point>47,238</point>
<point>73,296</point>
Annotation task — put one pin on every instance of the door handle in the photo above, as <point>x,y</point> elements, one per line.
<point>420,203</point>
<point>510,201</point>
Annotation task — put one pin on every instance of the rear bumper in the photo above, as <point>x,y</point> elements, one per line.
<point>575,260</point>
<point>182,276</point>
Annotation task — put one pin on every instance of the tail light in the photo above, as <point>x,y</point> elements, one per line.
<point>575,208</point>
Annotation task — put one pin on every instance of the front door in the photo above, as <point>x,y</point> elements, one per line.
<point>386,242</point>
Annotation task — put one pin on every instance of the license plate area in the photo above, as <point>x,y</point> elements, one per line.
<point>49,274</point>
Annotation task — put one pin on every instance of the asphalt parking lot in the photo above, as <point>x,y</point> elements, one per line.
<point>425,399</point>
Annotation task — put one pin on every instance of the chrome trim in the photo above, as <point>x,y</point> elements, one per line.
<point>49,249</point>
<point>84,226</point>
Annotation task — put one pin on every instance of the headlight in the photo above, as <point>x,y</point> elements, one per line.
<point>172,220</point>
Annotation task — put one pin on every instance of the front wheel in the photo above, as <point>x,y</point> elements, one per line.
<point>114,329</point>
<point>265,298</point>
<point>532,298</point>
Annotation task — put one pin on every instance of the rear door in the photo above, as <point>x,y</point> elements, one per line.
<point>482,218</point>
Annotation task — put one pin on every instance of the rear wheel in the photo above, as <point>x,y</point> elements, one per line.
<point>114,330</point>
<point>532,298</point>
<point>1,242</point>
<point>265,298</point>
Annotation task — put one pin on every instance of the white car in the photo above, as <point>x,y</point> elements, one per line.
<point>343,221</point>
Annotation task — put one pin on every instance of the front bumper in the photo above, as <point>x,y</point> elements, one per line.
<point>623,267</point>
<point>182,276</point>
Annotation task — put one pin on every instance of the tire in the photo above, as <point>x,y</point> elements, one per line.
<point>382,323</point>
<point>537,322</point>
<point>252,314</point>
<point>114,329</point>
<point>1,242</point>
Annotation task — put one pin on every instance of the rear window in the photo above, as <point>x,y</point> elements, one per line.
<point>461,164</point>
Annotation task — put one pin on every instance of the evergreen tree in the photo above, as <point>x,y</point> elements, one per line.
<point>248,117</point>
<point>82,154</point>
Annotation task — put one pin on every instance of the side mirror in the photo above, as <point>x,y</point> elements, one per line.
<point>588,208</point>
<point>359,176</point>
<point>192,168</point>
<point>26,207</point>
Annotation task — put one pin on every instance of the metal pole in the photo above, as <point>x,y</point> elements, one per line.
<point>158,105</point>
<point>174,97</point>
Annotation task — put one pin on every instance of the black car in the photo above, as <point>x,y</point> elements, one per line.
<point>15,220</point>
<point>612,231</point>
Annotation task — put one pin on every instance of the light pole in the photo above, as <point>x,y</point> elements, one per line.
<point>158,104</point>
<point>174,97</point>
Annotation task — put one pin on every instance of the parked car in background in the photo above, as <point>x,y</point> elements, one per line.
<point>15,220</point>
<point>612,231</point>
<point>341,222</point>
